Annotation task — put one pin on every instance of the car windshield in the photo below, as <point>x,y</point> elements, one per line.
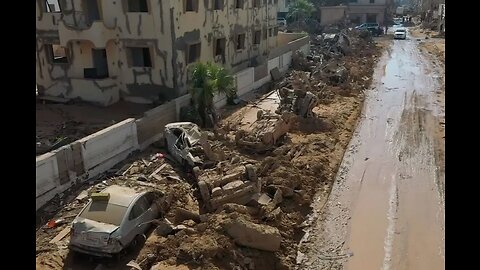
<point>104,212</point>
<point>400,30</point>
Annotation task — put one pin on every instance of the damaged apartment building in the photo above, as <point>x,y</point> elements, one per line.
<point>102,51</point>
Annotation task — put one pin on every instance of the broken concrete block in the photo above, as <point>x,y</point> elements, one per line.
<point>164,227</point>
<point>217,191</point>
<point>233,207</point>
<point>182,214</point>
<point>249,234</point>
<point>262,199</point>
<point>232,185</point>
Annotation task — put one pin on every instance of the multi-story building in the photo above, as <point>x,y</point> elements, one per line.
<point>283,8</point>
<point>140,50</point>
<point>362,11</point>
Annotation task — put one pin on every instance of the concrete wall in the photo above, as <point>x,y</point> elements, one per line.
<point>360,9</point>
<point>331,15</point>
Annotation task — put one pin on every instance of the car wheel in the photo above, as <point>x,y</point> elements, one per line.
<point>138,240</point>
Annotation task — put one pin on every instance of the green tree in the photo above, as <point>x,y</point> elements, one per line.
<point>299,10</point>
<point>209,79</point>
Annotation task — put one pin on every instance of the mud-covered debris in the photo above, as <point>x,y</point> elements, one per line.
<point>164,227</point>
<point>183,214</point>
<point>249,234</point>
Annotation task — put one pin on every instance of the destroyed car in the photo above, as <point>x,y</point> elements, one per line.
<point>113,220</point>
<point>264,133</point>
<point>181,139</point>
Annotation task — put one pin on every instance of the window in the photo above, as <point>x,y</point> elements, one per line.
<point>257,35</point>
<point>220,47</point>
<point>104,212</point>
<point>270,32</point>
<point>240,42</point>
<point>238,3</point>
<point>137,6</point>
<point>140,207</point>
<point>372,1</point>
<point>56,54</point>
<point>52,6</point>
<point>140,57</point>
<point>353,1</point>
<point>270,2</point>
<point>256,3</point>
<point>275,31</point>
<point>193,53</point>
<point>218,4</point>
<point>191,5</point>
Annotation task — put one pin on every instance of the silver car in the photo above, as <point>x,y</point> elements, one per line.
<point>109,224</point>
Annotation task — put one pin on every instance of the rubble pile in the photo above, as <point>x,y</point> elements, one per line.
<point>226,208</point>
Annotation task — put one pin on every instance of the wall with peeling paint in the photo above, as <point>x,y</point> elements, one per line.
<point>166,29</point>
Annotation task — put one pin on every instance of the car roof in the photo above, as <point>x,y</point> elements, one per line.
<point>122,196</point>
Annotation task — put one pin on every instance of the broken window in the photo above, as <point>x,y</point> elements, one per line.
<point>275,31</point>
<point>191,5</point>
<point>257,35</point>
<point>220,47</point>
<point>56,54</point>
<point>240,42</point>
<point>193,53</point>
<point>140,57</point>
<point>218,4</point>
<point>52,6</point>
<point>256,3</point>
<point>238,3</point>
<point>137,6</point>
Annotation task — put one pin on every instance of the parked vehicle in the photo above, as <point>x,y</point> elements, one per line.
<point>282,22</point>
<point>374,28</point>
<point>113,220</point>
<point>400,33</point>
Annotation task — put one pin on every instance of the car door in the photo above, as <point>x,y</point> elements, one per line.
<point>135,220</point>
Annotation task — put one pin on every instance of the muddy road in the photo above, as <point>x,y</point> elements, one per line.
<point>386,208</point>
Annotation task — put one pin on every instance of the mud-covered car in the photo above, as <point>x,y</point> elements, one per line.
<point>113,220</point>
<point>181,139</point>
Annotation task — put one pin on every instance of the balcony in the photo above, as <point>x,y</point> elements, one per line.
<point>97,33</point>
<point>49,22</point>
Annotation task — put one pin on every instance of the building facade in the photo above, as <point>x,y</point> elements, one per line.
<point>363,11</point>
<point>102,51</point>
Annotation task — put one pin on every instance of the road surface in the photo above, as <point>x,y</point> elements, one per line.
<point>386,208</point>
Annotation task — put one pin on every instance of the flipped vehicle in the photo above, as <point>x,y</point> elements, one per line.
<point>400,33</point>
<point>114,219</point>
<point>181,139</point>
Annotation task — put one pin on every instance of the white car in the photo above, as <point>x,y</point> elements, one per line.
<point>400,33</point>
<point>109,224</point>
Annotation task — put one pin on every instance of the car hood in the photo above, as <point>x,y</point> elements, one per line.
<point>87,225</point>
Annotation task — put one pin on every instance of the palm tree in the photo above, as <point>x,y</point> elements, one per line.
<point>300,9</point>
<point>209,79</point>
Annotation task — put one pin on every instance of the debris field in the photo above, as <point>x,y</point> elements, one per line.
<point>244,205</point>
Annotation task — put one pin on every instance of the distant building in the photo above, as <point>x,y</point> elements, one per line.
<point>363,11</point>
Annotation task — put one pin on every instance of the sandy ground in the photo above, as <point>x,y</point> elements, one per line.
<point>387,206</point>
<point>75,121</point>
<point>306,161</point>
